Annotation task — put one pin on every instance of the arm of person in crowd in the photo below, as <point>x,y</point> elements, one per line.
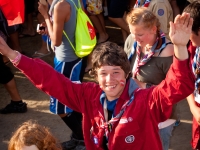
<point>43,9</point>
<point>179,82</point>
<point>45,78</point>
<point>195,110</point>
<point>42,23</point>
<point>61,14</point>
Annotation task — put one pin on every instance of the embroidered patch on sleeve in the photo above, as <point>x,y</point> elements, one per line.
<point>161,12</point>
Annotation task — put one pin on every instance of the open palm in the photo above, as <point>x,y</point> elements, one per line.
<point>181,29</point>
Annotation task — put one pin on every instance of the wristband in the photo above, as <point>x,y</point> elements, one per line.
<point>17,58</point>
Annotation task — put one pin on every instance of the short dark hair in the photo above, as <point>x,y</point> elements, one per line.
<point>109,53</point>
<point>194,10</point>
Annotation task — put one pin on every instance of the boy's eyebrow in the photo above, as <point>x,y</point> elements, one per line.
<point>116,69</point>
<point>112,69</point>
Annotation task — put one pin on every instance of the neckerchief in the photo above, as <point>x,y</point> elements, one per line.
<point>145,4</point>
<point>107,125</point>
<point>157,47</point>
<point>103,127</point>
<point>196,70</point>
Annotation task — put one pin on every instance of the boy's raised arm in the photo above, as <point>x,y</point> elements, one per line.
<point>44,77</point>
<point>179,81</point>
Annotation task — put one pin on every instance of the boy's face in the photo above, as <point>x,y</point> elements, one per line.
<point>195,39</point>
<point>111,80</point>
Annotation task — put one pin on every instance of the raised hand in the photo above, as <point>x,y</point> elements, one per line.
<point>181,29</point>
<point>43,9</point>
<point>43,31</point>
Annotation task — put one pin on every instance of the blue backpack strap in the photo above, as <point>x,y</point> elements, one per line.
<point>132,51</point>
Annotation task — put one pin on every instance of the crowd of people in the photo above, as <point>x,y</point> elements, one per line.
<point>133,105</point>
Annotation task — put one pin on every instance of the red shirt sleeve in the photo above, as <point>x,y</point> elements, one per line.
<point>44,77</point>
<point>178,84</point>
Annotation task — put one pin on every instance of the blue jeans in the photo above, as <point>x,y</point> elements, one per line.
<point>165,135</point>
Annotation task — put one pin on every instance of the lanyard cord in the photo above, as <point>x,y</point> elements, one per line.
<point>107,125</point>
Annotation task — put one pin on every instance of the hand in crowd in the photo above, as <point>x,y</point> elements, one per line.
<point>43,31</point>
<point>180,30</point>
<point>43,9</point>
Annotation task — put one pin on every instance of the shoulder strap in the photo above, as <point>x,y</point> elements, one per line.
<point>79,4</point>
<point>68,40</point>
<point>64,31</point>
<point>164,47</point>
<point>133,48</point>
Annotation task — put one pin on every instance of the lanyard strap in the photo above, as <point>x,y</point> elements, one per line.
<point>107,125</point>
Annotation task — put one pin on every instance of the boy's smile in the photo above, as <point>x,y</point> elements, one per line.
<point>111,80</point>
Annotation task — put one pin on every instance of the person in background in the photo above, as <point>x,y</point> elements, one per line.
<point>117,10</point>
<point>45,47</point>
<point>62,16</point>
<point>7,79</point>
<point>33,136</point>
<point>94,10</point>
<point>162,10</point>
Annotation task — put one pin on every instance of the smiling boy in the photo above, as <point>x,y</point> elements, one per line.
<point>116,113</point>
